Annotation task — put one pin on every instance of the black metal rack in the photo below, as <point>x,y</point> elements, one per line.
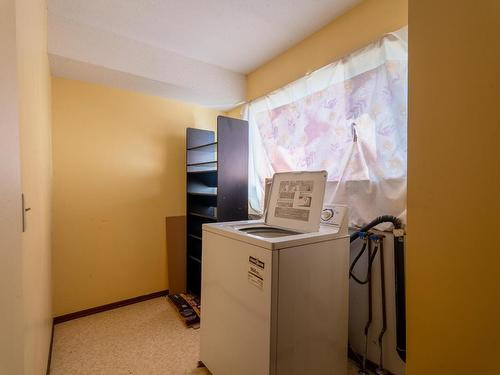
<point>217,185</point>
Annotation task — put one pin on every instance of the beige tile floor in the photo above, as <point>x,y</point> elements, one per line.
<point>146,338</point>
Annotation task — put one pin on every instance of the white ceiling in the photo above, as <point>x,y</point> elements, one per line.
<point>192,45</point>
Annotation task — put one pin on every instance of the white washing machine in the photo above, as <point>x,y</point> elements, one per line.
<point>275,300</point>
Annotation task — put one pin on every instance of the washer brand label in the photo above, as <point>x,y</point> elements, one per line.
<point>256,272</point>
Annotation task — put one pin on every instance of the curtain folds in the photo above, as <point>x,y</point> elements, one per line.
<point>348,118</point>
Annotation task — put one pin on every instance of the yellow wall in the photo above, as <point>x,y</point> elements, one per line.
<point>33,93</point>
<point>235,112</point>
<point>360,26</point>
<point>453,253</point>
<point>11,260</point>
<point>119,170</point>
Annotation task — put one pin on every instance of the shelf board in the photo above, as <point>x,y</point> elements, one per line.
<point>206,146</point>
<point>202,216</point>
<point>194,236</point>
<point>200,189</point>
<point>203,171</point>
<point>202,163</point>
<point>204,194</point>
<point>204,212</point>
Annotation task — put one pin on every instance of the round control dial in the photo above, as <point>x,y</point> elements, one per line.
<point>327,214</point>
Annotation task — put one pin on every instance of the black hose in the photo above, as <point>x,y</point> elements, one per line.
<point>369,279</point>
<point>371,258</point>
<point>384,311</point>
<point>370,302</point>
<point>355,261</point>
<point>399,269</point>
<point>379,220</point>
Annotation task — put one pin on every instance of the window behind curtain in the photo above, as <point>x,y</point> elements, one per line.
<point>348,118</point>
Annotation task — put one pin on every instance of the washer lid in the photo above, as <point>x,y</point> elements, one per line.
<point>296,200</point>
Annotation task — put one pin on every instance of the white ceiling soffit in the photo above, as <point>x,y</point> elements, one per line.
<point>87,54</point>
<point>197,47</point>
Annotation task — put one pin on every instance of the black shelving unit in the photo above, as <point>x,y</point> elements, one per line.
<point>217,185</point>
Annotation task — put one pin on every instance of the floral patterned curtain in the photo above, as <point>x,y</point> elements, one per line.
<point>348,118</point>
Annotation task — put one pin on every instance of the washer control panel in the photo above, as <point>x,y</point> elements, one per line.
<point>333,215</point>
<point>327,215</point>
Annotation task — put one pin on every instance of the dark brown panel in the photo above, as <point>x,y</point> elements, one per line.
<point>176,251</point>
<point>232,158</point>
